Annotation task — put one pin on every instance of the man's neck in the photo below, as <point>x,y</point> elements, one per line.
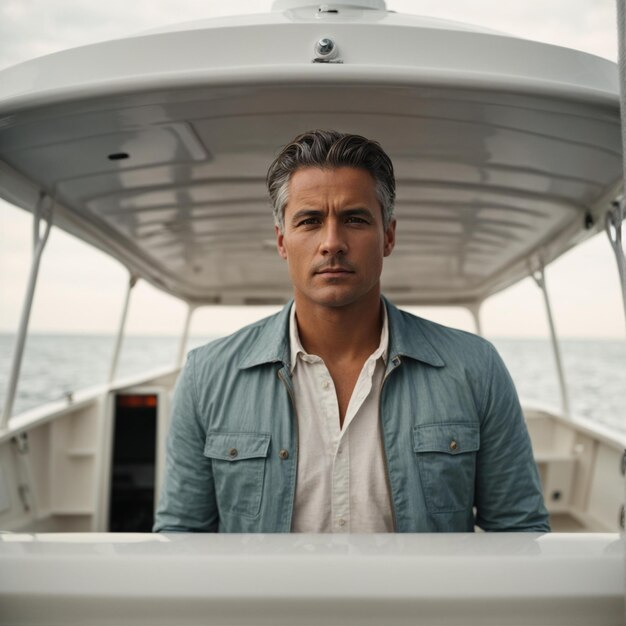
<point>339,334</point>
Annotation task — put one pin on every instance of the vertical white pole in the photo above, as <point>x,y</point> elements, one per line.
<point>183,339</point>
<point>132,281</point>
<point>614,221</point>
<point>39,243</point>
<point>474,309</point>
<point>540,279</point>
<point>617,218</point>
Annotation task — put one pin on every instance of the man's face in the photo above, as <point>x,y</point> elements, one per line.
<point>333,239</point>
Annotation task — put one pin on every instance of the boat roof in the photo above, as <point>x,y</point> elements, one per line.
<point>507,151</point>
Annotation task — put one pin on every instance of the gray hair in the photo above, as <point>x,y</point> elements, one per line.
<point>328,149</point>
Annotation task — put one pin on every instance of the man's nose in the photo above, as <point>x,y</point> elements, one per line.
<point>333,239</point>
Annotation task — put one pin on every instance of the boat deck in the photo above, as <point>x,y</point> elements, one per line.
<point>566,523</point>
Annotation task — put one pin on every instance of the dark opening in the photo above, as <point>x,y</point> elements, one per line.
<point>118,156</point>
<point>131,505</point>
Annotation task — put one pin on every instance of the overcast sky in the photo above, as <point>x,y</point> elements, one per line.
<point>81,290</point>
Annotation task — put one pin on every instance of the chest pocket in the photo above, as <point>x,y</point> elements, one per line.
<point>446,455</point>
<point>238,462</point>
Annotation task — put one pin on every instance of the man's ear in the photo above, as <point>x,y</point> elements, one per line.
<point>390,238</point>
<point>280,243</point>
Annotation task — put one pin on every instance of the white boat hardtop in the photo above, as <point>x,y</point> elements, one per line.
<point>507,152</point>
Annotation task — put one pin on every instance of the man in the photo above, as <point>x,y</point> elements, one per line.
<point>342,413</point>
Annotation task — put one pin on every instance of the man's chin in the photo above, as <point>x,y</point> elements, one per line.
<point>336,297</point>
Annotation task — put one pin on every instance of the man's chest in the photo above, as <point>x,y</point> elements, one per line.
<point>340,391</point>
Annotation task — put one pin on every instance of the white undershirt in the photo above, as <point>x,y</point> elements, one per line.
<point>342,483</point>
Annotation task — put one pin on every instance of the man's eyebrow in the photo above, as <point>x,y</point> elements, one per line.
<point>356,212</point>
<point>306,213</point>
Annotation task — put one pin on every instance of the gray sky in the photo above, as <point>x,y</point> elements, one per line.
<point>81,290</point>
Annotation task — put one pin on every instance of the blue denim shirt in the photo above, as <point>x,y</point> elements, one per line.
<point>456,445</point>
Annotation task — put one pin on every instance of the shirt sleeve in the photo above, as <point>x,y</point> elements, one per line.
<point>187,502</point>
<point>508,490</point>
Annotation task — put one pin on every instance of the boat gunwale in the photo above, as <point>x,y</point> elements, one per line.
<point>51,410</point>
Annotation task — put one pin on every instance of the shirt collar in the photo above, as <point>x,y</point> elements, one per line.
<point>297,348</point>
<point>408,336</point>
<point>413,337</point>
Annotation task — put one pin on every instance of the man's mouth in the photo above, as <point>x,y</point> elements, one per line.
<point>334,271</point>
<point>334,267</point>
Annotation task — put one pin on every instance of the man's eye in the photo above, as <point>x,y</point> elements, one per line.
<point>356,220</point>
<point>310,221</point>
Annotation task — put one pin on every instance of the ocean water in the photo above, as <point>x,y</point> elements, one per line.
<point>595,370</point>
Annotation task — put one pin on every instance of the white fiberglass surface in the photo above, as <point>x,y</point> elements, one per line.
<point>505,151</point>
<point>418,566</point>
<point>499,578</point>
<point>407,546</point>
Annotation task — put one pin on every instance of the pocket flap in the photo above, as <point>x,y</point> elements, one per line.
<point>448,438</point>
<point>236,446</point>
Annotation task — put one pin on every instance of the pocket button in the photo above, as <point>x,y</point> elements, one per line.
<point>232,453</point>
<point>453,445</point>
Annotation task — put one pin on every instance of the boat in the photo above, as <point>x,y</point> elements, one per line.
<point>154,149</point>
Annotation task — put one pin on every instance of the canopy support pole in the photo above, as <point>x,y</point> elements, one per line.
<point>615,217</point>
<point>540,279</point>
<point>613,224</point>
<point>43,209</point>
<point>474,308</point>
<point>132,281</point>
<point>185,336</point>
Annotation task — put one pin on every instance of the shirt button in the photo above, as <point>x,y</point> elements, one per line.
<point>326,384</point>
<point>453,445</point>
<point>341,522</point>
<point>283,454</point>
<point>232,453</point>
